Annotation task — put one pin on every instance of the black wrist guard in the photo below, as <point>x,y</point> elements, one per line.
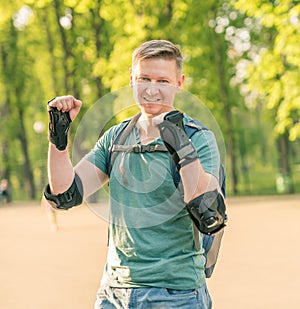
<point>72,197</point>
<point>176,140</point>
<point>58,127</point>
<point>208,212</point>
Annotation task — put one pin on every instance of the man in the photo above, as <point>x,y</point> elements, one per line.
<point>153,258</point>
<point>4,191</point>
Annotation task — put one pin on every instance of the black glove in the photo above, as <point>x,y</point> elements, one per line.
<point>175,139</point>
<point>59,124</point>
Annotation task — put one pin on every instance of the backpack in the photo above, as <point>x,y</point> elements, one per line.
<point>210,243</point>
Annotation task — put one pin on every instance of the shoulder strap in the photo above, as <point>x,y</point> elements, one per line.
<point>222,179</point>
<point>194,125</point>
<point>120,136</point>
<point>123,130</point>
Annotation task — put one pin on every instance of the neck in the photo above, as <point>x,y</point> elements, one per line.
<point>147,129</point>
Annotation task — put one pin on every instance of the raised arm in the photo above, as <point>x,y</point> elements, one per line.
<point>62,111</point>
<point>205,202</point>
<point>67,185</point>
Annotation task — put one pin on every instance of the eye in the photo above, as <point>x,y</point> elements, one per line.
<point>143,79</point>
<point>163,81</point>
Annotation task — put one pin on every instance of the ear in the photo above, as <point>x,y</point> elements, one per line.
<point>180,81</point>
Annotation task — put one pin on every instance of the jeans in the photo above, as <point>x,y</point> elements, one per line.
<point>152,298</point>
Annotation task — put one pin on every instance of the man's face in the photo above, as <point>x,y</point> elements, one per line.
<point>156,82</point>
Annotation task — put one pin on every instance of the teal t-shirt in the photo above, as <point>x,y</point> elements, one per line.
<point>151,233</point>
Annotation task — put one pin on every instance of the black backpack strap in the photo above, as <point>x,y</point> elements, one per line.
<point>120,137</point>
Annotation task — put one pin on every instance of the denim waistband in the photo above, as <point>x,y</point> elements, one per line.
<point>152,298</point>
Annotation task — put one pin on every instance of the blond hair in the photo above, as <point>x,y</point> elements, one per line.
<point>158,49</point>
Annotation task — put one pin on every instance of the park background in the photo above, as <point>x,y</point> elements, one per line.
<point>241,59</point>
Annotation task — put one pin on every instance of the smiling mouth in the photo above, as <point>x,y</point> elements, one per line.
<point>148,100</point>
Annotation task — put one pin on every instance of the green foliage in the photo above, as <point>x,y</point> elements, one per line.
<point>275,73</point>
<point>233,55</point>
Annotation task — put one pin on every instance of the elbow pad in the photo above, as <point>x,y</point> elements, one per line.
<point>208,212</point>
<point>68,199</point>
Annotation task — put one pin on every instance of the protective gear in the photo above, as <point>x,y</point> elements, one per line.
<point>58,127</point>
<point>208,212</point>
<point>176,140</point>
<point>70,198</point>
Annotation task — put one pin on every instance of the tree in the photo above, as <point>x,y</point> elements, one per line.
<point>84,48</point>
<point>272,74</point>
<point>16,68</point>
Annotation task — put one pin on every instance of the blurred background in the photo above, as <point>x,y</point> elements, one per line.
<point>241,58</point>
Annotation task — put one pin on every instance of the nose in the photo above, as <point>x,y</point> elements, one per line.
<point>152,88</point>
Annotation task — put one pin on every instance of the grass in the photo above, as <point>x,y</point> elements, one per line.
<point>263,181</point>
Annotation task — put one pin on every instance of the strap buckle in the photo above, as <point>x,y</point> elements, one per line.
<point>143,148</point>
<point>137,148</point>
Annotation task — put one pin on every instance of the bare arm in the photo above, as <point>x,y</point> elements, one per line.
<point>61,173</point>
<point>196,181</point>
<point>194,178</point>
<point>91,176</point>
<point>201,190</point>
<point>60,168</point>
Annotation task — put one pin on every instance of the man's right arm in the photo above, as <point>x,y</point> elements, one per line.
<point>62,180</point>
<point>60,170</point>
<point>62,110</point>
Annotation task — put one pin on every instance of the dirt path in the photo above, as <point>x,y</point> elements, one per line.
<point>39,269</point>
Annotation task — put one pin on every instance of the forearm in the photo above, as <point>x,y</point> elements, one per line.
<point>204,203</point>
<point>196,181</point>
<point>62,111</point>
<point>194,178</point>
<point>60,170</point>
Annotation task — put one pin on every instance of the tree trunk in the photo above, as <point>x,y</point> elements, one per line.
<point>97,22</point>
<point>284,163</point>
<point>66,50</point>
<point>225,97</point>
<point>28,173</point>
<point>51,46</point>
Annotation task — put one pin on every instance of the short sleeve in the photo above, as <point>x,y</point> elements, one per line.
<point>206,146</point>
<point>98,155</point>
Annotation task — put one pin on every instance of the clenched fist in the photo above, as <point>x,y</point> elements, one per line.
<point>62,111</point>
<point>66,104</point>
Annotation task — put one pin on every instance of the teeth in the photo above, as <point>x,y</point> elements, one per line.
<point>151,100</point>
